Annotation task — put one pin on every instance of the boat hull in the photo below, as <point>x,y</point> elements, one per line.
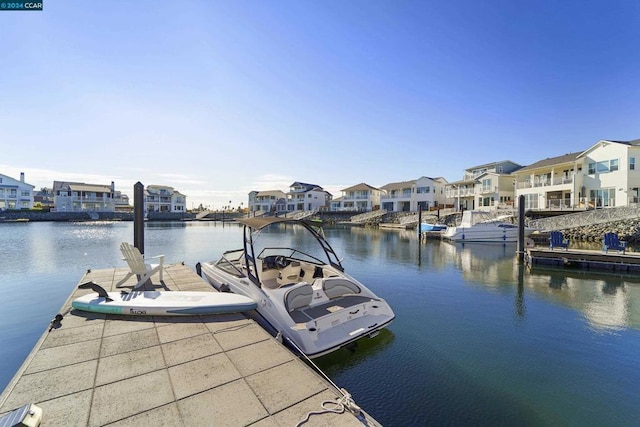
<point>481,233</point>
<point>315,337</point>
<point>432,227</point>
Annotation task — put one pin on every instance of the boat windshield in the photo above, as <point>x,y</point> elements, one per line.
<point>289,253</point>
<point>231,262</point>
<point>280,238</point>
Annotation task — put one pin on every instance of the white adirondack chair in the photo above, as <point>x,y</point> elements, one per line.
<point>138,266</point>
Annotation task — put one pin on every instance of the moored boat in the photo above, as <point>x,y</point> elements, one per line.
<point>425,226</point>
<point>480,226</point>
<point>304,294</point>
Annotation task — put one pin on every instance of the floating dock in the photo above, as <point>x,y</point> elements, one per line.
<point>583,259</point>
<point>225,370</point>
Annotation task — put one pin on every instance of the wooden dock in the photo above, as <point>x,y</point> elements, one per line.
<point>584,259</point>
<point>395,225</point>
<point>224,370</point>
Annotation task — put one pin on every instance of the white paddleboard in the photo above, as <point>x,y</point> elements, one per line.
<point>167,303</point>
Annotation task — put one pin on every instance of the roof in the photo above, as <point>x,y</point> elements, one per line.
<point>551,161</point>
<point>90,187</point>
<point>486,165</point>
<point>632,142</point>
<point>360,187</point>
<point>602,142</point>
<point>270,193</point>
<point>307,188</point>
<point>17,181</point>
<point>405,184</point>
<point>304,184</point>
<point>402,184</point>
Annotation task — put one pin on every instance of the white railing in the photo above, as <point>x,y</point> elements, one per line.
<point>544,183</point>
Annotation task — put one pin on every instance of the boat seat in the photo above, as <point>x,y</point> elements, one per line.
<point>299,296</point>
<point>338,287</point>
<point>289,274</point>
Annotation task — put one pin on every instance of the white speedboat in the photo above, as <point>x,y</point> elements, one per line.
<point>303,293</point>
<point>480,226</point>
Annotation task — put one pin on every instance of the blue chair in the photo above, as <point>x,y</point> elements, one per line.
<point>557,240</point>
<point>612,242</point>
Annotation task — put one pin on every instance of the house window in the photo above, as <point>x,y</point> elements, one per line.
<point>632,164</point>
<point>604,197</point>
<point>613,165</point>
<point>602,167</point>
<point>531,201</point>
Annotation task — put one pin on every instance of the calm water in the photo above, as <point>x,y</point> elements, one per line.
<point>477,339</point>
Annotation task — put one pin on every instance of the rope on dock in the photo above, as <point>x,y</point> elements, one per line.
<point>343,403</point>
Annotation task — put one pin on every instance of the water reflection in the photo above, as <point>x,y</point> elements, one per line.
<point>474,329</point>
<point>606,301</point>
<point>345,358</point>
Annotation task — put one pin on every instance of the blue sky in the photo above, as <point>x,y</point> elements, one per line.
<point>220,98</point>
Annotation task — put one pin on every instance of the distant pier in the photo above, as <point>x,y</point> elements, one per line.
<point>584,260</point>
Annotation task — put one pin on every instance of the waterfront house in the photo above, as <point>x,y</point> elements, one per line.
<point>611,176</point>
<point>81,197</point>
<point>162,198</point>
<point>485,187</point>
<point>409,196</point>
<point>358,198</point>
<point>307,197</point>
<point>43,198</point>
<point>604,175</point>
<point>15,194</point>
<point>267,201</point>
<point>552,183</point>
<point>121,202</point>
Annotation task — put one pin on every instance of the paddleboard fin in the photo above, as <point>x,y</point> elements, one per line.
<point>97,288</point>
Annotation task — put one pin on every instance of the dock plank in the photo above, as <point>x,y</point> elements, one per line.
<point>97,369</point>
<point>584,259</point>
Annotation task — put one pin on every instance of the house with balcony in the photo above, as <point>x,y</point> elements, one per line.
<point>307,197</point>
<point>485,187</point>
<point>81,197</point>
<point>604,175</point>
<point>15,194</point>
<point>358,198</point>
<point>267,201</point>
<point>551,183</point>
<point>121,202</point>
<point>162,198</point>
<point>409,196</point>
